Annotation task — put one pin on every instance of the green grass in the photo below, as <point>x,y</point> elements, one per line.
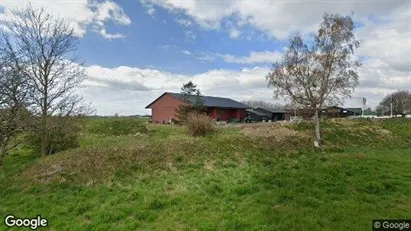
<point>167,180</point>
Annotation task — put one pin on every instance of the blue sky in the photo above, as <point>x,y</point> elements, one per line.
<point>136,50</point>
<point>160,41</point>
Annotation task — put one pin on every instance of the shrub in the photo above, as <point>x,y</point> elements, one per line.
<point>183,111</point>
<point>62,134</point>
<point>117,127</point>
<point>200,124</point>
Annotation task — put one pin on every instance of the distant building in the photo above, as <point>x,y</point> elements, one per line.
<point>163,109</point>
<point>329,112</point>
<point>335,112</point>
<point>260,114</point>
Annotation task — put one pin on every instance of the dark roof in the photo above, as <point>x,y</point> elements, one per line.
<point>209,101</point>
<point>259,113</point>
<point>271,110</point>
<point>357,110</point>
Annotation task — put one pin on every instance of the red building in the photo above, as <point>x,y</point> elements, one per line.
<point>163,109</point>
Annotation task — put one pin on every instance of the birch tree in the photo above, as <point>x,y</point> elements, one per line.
<point>319,72</point>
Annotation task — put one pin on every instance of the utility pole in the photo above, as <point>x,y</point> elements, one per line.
<point>392,99</point>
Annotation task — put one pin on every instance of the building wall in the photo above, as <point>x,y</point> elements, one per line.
<point>165,108</point>
<point>226,114</point>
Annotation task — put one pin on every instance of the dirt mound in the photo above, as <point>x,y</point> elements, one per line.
<point>84,165</point>
<point>275,130</point>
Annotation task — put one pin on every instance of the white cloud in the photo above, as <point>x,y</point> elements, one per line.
<point>385,34</point>
<point>111,11</point>
<point>206,57</point>
<point>184,22</point>
<point>277,18</point>
<point>110,36</point>
<point>389,41</point>
<point>151,11</point>
<point>208,14</point>
<point>190,35</point>
<point>80,14</point>
<point>254,57</point>
<point>127,90</point>
<point>234,33</point>
<point>186,52</point>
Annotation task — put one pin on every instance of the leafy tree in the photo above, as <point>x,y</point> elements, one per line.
<point>188,89</point>
<point>401,103</point>
<point>193,102</point>
<point>321,72</point>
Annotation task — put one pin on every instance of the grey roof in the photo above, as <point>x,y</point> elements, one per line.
<point>259,113</point>
<point>272,110</point>
<point>210,101</point>
<point>357,110</point>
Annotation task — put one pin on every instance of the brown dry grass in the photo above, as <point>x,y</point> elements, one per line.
<point>343,121</point>
<point>87,164</point>
<point>275,130</point>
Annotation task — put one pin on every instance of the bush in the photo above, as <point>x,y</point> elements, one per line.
<point>117,127</point>
<point>62,134</point>
<point>200,124</point>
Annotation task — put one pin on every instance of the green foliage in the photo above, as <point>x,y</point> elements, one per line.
<point>200,124</point>
<point>195,104</point>
<point>118,126</point>
<point>62,134</point>
<point>168,180</point>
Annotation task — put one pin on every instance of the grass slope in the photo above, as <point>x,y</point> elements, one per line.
<point>235,179</point>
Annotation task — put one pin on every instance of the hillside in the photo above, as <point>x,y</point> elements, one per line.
<point>243,177</point>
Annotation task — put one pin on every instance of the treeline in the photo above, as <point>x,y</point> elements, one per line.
<point>39,74</point>
<point>262,104</point>
<point>400,101</point>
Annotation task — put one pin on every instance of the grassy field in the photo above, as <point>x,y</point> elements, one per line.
<point>243,177</point>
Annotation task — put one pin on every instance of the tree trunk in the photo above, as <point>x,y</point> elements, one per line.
<point>3,152</point>
<point>44,136</point>
<point>2,155</point>
<point>44,142</point>
<point>317,136</point>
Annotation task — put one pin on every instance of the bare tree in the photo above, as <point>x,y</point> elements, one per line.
<point>401,103</point>
<point>262,104</point>
<point>14,92</point>
<point>321,73</point>
<point>46,45</point>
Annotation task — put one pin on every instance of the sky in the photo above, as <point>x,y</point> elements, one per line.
<point>135,50</point>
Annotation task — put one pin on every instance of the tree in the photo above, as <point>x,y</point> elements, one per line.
<point>189,88</point>
<point>401,103</point>
<point>46,45</point>
<point>194,102</point>
<point>318,74</point>
<point>14,92</point>
<point>262,104</point>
